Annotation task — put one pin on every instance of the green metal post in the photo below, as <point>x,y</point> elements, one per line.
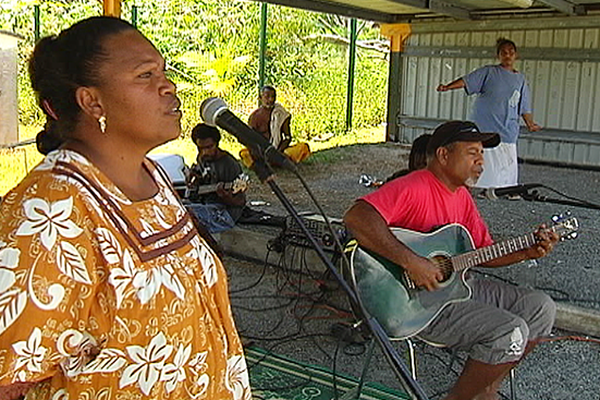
<point>351,65</point>
<point>262,45</point>
<point>36,22</point>
<point>134,16</point>
<point>394,99</point>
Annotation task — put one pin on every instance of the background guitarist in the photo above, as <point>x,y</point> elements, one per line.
<point>500,323</point>
<point>221,209</point>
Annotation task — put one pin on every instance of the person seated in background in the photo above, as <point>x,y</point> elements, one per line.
<point>216,187</point>
<point>272,121</point>
<point>417,159</point>
<point>214,201</point>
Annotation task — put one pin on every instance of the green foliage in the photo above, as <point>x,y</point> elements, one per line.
<point>54,17</point>
<point>212,49</point>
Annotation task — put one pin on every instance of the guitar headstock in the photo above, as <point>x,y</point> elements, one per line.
<point>565,226</point>
<point>240,184</point>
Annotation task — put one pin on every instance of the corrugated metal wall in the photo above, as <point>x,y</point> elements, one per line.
<point>563,71</point>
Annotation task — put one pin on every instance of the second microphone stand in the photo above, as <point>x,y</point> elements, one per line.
<point>266,175</point>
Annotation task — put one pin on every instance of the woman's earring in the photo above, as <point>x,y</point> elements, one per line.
<point>102,123</point>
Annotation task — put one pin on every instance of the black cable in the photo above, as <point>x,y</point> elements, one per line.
<point>284,278</point>
<point>275,326</point>
<point>336,240</point>
<point>284,340</point>
<point>263,309</point>
<point>260,278</point>
<point>583,202</point>
<point>270,351</point>
<point>273,339</point>
<point>298,315</point>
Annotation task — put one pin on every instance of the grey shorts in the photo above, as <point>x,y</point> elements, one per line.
<point>495,324</point>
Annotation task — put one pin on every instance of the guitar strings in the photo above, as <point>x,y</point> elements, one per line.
<point>445,264</point>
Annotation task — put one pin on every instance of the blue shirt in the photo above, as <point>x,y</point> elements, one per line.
<point>503,96</point>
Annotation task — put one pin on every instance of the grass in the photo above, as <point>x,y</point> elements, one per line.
<point>16,163</point>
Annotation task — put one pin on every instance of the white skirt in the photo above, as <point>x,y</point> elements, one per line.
<point>500,168</point>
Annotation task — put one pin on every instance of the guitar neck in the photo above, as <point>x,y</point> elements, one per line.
<point>205,189</point>
<point>564,229</point>
<point>495,251</point>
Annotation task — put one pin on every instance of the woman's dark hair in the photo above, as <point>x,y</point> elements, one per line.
<point>417,159</point>
<point>61,64</point>
<point>418,153</point>
<point>501,42</point>
<point>203,131</point>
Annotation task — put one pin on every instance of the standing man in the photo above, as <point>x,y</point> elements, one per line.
<point>503,98</point>
<point>500,323</point>
<point>220,209</point>
<point>272,121</point>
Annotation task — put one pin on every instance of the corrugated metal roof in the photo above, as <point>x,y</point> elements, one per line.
<point>386,6</point>
<point>405,10</point>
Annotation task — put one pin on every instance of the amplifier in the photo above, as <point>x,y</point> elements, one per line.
<point>293,234</point>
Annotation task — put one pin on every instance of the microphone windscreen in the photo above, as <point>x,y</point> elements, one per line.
<point>211,108</point>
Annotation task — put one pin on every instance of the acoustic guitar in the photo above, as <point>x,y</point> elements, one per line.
<point>403,310</point>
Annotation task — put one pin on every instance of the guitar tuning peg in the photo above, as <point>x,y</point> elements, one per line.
<point>556,218</point>
<point>568,213</point>
<point>573,235</point>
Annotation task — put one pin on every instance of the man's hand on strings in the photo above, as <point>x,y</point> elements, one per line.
<point>425,274</point>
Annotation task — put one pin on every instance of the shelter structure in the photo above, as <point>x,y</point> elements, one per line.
<point>434,41</point>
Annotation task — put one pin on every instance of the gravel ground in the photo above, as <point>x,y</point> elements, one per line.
<point>292,308</point>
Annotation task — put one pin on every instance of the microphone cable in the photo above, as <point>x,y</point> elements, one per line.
<point>583,202</point>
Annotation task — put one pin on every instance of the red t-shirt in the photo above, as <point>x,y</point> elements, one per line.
<point>421,202</point>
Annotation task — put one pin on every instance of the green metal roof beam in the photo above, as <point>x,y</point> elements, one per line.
<point>337,8</point>
<point>509,24</point>
<point>412,3</point>
<point>449,9</point>
<point>437,6</point>
<point>565,7</point>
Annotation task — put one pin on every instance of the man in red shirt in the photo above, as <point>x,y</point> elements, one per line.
<point>500,323</point>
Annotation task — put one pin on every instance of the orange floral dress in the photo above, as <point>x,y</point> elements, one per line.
<point>105,298</point>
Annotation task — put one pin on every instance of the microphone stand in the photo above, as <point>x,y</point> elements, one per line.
<point>536,196</point>
<point>266,174</point>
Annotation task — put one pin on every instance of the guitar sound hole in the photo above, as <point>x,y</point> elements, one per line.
<point>445,264</point>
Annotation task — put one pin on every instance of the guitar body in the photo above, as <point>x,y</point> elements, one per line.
<point>387,294</point>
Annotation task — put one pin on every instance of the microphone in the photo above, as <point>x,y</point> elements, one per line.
<point>495,193</point>
<point>215,112</point>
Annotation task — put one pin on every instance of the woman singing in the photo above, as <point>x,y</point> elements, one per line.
<point>106,289</point>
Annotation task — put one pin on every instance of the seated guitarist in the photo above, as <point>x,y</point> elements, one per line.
<point>221,209</point>
<point>499,324</point>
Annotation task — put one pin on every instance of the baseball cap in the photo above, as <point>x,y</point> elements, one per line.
<point>460,131</point>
